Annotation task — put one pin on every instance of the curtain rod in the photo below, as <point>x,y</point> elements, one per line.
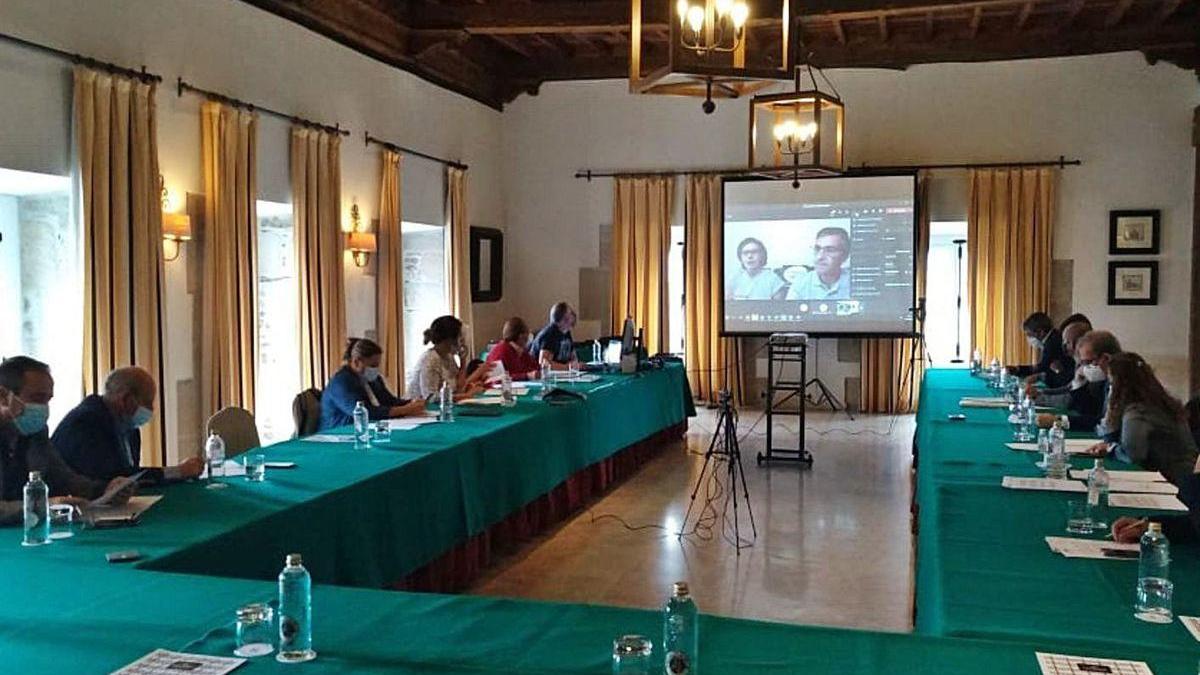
<point>785,171</point>
<point>88,61</point>
<point>368,139</point>
<point>237,103</point>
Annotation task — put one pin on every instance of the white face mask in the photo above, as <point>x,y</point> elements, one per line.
<point>140,417</point>
<point>33,419</point>
<point>1033,342</point>
<point>371,374</point>
<point>1093,373</point>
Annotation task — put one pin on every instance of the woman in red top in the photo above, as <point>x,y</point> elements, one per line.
<point>513,351</point>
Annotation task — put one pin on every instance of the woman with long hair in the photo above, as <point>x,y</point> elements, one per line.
<point>437,364</point>
<point>359,380</point>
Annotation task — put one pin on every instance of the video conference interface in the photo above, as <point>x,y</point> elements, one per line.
<point>834,256</point>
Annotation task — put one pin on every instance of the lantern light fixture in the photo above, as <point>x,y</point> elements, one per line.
<point>806,129</point>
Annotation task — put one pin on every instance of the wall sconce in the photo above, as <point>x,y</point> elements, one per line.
<point>361,245</point>
<point>176,228</point>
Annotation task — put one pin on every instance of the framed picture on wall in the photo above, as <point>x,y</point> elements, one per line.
<point>487,264</point>
<point>1133,232</point>
<point>1133,282</point>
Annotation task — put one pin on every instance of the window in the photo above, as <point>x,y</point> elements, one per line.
<point>425,296</point>
<point>278,371</point>
<point>675,292</point>
<point>40,274</point>
<point>947,328</point>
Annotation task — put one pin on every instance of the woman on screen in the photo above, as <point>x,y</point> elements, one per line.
<point>753,281</point>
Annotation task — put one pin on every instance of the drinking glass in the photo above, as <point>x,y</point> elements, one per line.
<point>380,433</point>
<point>256,468</point>
<point>633,655</point>
<point>255,634</point>
<point>62,521</point>
<point>1079,517</point>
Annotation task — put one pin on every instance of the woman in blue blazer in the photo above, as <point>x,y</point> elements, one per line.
<point>359,380</point>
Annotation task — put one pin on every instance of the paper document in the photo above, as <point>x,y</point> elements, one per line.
<point>1074,446</point>
<point>484,400</point>
<point>1192,623</point>
<point>1122,476</point>
<point>983,402</point>
<point>1051,484</point>
<point>117,485</point>
<point>329,438</point>
<point>1143,501</point>
<point>1061,664</point>
<point>1143,486</point>
<point>163,662</point>
<point>405,423</point>
<point>130,509</point>
<point>1088,548</point>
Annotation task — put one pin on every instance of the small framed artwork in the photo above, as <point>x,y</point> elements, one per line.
<point>1133,232</point>
<point>487,264</point>
<point>1133,282</point>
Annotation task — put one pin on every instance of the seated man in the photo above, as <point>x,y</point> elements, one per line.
<point>1094,352</point>
<point>826,280</point>
<point>1054,367</point>
<point>513,351</point>
<point>25,392</point>
<point>100,438</point>
<point>1083,399</point>
<point>553,345</point>
<point>754,281</point>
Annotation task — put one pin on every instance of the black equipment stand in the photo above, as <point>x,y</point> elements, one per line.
<point>919,353</point>
<point>724,446</point>
<point>958,307</point>
<point>783,348</point>
<point>824,395</point>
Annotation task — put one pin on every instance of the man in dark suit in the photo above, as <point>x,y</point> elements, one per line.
<point>1054,367</point>
<point>101,438</point>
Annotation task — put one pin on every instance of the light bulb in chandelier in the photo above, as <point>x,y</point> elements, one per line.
<point>695,18</point>
<point>723,7</point>
<point>682,8</point>
<point>793,137</point>
<point>738,13</point>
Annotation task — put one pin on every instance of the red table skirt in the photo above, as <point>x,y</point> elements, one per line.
<point>458,567</point>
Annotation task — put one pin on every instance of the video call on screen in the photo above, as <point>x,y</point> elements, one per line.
<point>834,256</point>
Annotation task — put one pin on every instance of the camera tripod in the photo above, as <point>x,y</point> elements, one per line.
<point>724,447</point>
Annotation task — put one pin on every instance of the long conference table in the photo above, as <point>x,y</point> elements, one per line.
<point>364,517</point>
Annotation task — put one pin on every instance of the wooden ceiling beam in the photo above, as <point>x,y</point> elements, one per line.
<point>976,19</point>
<point>839,31</point>
<point>1118,12</point>
<point>1023,16</point>
<point>883,27</point>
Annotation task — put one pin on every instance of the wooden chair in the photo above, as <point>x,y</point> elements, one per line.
<point>236,427</point>
<point>306,412</point>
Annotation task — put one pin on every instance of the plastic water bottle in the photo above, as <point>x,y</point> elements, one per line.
<point>681,632</point>
<point>597,352</point>
<point>446,403</point>
<point>362,427</point>
<point>994,372</point>
<point>1056,465</point>
<point>507,399</point>
<point>1043,442</point>
<point>1098,493</point>
<point>295,613</point>
<point>37,511</point>
<point>214,451</point>
<point>976,362</point>
<point>1153,598</point>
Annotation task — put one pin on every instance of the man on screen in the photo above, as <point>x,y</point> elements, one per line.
<point>826,280</point>
<point>754,281</point>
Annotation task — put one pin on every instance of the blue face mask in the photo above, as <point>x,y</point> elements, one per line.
<point>33,419</point>
<point>140,417</point>
<point>370,374</point>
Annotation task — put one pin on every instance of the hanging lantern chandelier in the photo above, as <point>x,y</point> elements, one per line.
<point>804,129</point>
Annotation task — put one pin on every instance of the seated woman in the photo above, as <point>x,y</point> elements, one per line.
<point>1150,426</point>
<point>359,380</point>
<point>437,365</point>
<point>513,351</point>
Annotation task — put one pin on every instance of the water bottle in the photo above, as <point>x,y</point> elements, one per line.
<point>976,362</point>
<point>507,399</point>
<point>295,613</point>
<point>1056,465</point>
<point>214,451</point>
<point>681,632</point>
<point>994,372</point>
<point>1098,493</point>
<point>1043,442</point>
<point>597,352</point>
<point>1153,598</point>
<point>446,403</point>
<point>37,511</point>
<point>1030,420</point>
<point>362,427</point>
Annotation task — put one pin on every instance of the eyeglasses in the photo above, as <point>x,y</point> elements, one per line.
<point>828,250</point>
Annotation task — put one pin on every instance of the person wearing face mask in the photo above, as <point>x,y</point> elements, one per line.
<point>359,380</point>
<point>1083,400</point>
<point>1054,368</point>
<point>438,366</point>
<point>26,388</point>
<point>513,351</point>
<point>1093,352</point>
<point>101,437</point>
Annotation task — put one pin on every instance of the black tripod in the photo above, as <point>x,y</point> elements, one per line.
<point>724,446</point>
<point>824,395</point>
<point>918,355</point>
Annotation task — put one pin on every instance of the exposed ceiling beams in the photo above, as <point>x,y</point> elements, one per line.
<point>495,50</point>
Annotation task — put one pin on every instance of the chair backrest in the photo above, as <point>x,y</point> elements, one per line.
<point>236,427</point>
<point>306,411</point>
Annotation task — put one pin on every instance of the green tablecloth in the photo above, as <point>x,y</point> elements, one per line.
<point>983,567</point>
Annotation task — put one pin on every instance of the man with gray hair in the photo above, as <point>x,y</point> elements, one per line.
<point>101,437</point>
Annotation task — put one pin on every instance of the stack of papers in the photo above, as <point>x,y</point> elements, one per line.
<point>118,485</point>
<point>1051,484</point>
<point>406,423</point>
<point>1143,501</point>
<point>1062,664</point>
<point>1122,476</point>
<point>329,438</point>
<point>1074,446</point>
<point>983,402</point>
<point>127,511</point>
<point>161,661</point>
<point>1089,548</point>
<point>1143,486</point>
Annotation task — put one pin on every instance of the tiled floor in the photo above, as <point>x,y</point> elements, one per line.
<point>833,544</point>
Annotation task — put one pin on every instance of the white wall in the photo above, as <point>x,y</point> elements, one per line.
<point>231,47</point>
<point>1129,123</point>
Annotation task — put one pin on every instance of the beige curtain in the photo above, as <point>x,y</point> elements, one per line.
<point>711,360</point>
<point>889,373</point>
<point>1010,228</point>
<point>229,295</point>
<point>389,291</point>
<point>116,155</point>
<point>460,250</point>
<point>641,238</point>
<point>317,212</point>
